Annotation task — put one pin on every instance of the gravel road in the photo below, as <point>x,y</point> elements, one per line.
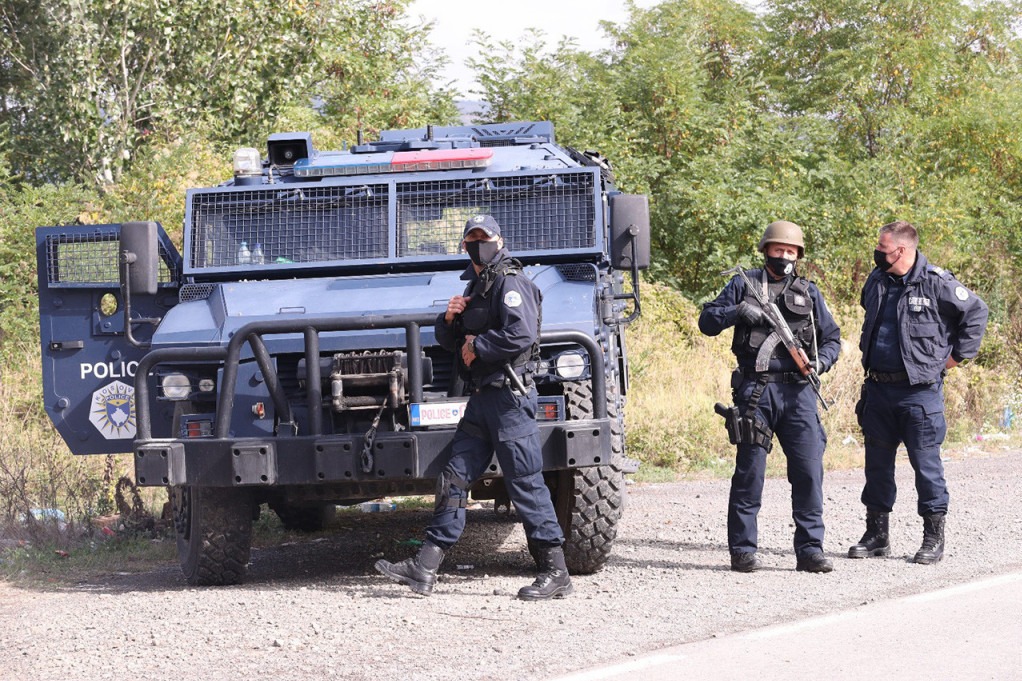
<point>316,609</point>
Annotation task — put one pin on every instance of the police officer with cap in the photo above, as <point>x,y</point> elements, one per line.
<point>772,397</point>
<point>493,328</point>
<point>919,322</point>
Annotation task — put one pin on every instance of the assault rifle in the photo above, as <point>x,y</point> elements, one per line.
<point>784,335</point>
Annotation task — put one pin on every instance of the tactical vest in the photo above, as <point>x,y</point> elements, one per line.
<point>480,316</point>
<point>796,305</point>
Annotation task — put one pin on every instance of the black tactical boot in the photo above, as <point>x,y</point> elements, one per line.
<point>747,561</point>
<point>535,551</point>
<point>877,540</point>
<point>553,580</point>
<point>932,549</point>
<point>813,562</point>
<point>418,573</point>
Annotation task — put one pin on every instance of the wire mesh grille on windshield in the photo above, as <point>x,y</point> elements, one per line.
<point>535,212</point>
<point>290,225</point>
<point>322,224</point>
<point>82,258</point>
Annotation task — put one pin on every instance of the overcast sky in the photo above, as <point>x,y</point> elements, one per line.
<point>455,20</point>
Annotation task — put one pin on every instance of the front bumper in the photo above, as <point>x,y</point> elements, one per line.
<point>330,459</point>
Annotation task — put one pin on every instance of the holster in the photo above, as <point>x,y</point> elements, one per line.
<point>731,422</point>
<point>746,428</point>
<point>860,406</point>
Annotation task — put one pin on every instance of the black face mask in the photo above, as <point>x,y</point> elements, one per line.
<point>780,266</point>
<point>481,252</point>
<point>880,258</point>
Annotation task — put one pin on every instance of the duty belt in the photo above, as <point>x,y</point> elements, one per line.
<point>886,377</point>
<point>775,376</point>
<point>527,381</point>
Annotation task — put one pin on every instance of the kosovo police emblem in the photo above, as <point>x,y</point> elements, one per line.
<point>961,293</point>
<point>512,299</point>
<point>113,411</point>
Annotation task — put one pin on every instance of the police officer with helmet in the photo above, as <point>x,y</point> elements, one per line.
<point>493,328</point>
<point>919,322</point>
<point>772,397</point>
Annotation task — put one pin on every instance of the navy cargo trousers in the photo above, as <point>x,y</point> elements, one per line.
<point>789,409</point>
<point>497,420</point>
<point>895,413</point>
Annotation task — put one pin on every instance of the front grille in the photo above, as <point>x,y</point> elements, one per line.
<point>578,272</point>
<point>443,368</point>
<point>190,292</point>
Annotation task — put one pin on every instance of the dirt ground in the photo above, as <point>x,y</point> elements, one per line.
<point>314,609</point>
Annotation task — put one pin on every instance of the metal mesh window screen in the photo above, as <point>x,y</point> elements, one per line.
<point>91,259</point>
<point>535,212</point>
<point>290,224</point>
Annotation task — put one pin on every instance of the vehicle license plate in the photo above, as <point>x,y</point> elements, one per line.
<point>437,413</point>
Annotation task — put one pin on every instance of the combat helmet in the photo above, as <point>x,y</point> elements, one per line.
<point>783,232</point>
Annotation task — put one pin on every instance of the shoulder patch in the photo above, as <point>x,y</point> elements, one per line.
<point>961,293</point>
<point>512,298</point>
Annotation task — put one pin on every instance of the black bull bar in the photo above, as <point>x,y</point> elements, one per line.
<point>291,458</point>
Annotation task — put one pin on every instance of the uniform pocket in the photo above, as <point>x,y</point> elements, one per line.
<point>924,337</point>
<point>519,415</point>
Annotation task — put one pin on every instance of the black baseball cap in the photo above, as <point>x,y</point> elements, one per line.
<point>485,223</point>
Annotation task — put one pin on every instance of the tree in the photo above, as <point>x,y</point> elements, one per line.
<point>376,70</point>
<point>87,81</point>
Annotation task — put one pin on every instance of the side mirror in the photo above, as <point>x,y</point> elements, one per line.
<point>629,231</point>
<point>140,245</point>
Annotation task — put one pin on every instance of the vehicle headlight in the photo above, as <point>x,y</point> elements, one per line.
<point>570,365</point>
<point>176,386</point>
<point>207,385</point>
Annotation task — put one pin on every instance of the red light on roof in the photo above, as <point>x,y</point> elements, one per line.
<point>441,156</point>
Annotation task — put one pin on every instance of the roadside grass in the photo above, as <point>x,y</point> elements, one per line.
<point>61,559</point>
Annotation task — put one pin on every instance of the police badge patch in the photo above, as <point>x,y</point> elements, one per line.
<point>961,293</point>
<point>113,411</point>
<point>512,299</point>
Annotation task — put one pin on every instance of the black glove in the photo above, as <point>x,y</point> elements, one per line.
<point>751,314</point>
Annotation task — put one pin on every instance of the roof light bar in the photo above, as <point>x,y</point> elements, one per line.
<point>394,162</point>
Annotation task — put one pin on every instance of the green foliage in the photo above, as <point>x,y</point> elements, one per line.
<point>90,81</point>
<point>376,70</point>
<point>21,210</point>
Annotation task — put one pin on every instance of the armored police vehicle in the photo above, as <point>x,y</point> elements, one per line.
<point>288,356</point>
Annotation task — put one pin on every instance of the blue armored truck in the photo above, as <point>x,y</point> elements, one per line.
<point>288,356</point>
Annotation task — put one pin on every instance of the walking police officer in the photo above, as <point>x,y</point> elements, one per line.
<point>493,328</point>
<point>919,322</point>
<point>773,397</point>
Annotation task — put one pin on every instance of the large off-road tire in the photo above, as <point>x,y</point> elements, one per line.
<point>311,517</point>
<point>589,504</point>
<point>214,533</point>
<point>589,501</point>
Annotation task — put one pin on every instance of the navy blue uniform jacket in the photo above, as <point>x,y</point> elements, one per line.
<point>937,318</point>
<point>512,309</point>
<point>720,314</point>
